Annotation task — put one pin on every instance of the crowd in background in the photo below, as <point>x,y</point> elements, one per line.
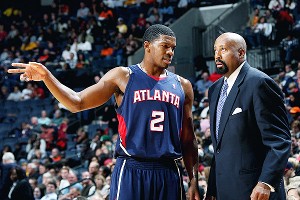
<point>79,42</point>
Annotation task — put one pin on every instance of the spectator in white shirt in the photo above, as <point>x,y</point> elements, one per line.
<point>50,191</point>
<point>16,95</point>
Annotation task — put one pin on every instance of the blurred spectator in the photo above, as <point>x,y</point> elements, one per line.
<point>16,95</point>
<point>276,5</point>
<point>8,162</point>
<point>44,119</point>
<point>294,8</point>
<point>88,186</point>
<point>57,118</point>
<point>33,182</point>
<point>135,31</point>
<point>64,172</point>
<point>269,17</point>
<point>295,126</point>
<point>73,190</point>
<point>131,45</point>
<point>82,62</point>
<point>204,108</point>
<point>102,189</point>
<point>3,34</point>
<point>42,171</point>
<point>4,93</point>
<point>295,112</point>
<point>50,191</point>
<point>284,80</point>
<point>84,46</point>
<point>72,61</point>
<point>37,193</point>
<point>61,142</point>
<point>254,18</point>
<point>27,92</point>
<point>202,84</point>
<point>34,125</point>
<point>141,21</point>
<point>122,27</point>
<point>66,54</point>
<point>44,57</point>
<point>55,155</point>
<point>289,70</point>
<point>288,47</point>
<point>37,151</point>
<point>289,172</point>
<point>82,11</point>
<point>106,15</point>
<point>82,142</point>
<point>154,17</point>
<point>284,24</point>
<point>28,46</point>
<point>107,51</point>
<point>167,11</point>
<point>94,169</point>
<point>48,135</point>
<point>38,92</point>
<point>32,171</point>
<point>21,188</point>
<point>261,32</point>
<point>119,47</point>
<point>297,78</point>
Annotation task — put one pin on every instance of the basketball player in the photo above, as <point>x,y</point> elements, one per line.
<point>155,119</point>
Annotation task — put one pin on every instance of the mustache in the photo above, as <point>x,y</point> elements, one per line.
<point>221,61</point>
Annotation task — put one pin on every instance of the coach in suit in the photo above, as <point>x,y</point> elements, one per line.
<point>249,128</point>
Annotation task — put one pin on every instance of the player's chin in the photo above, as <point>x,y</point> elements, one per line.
<point>166,64</point>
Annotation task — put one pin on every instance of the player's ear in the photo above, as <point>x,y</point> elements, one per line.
<point>147,46</point>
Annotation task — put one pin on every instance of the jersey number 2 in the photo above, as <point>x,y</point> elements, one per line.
<point>157,117</point>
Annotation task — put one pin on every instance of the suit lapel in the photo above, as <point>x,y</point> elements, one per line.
<point>230,101</point>
<point>213,106</point>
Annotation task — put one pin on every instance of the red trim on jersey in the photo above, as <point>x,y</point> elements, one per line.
<point>122,129</point>
<point>157,78</point>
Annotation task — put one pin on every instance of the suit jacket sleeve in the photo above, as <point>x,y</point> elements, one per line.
<point>273,124</point>
<point>211,184</point>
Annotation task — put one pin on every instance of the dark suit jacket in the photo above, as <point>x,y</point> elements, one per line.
<point>254,144</point>
<point>22,191</point>
<point>5,182</point>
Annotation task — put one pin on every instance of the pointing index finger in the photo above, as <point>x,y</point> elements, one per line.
<point>19,64</point>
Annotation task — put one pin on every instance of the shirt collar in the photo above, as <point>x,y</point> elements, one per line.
<point>231,79</point>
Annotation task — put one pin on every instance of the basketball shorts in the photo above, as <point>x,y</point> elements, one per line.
<point>134,179</point>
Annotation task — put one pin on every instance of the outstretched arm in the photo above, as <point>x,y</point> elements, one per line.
<point>189,142</point>
<point>90,97</point>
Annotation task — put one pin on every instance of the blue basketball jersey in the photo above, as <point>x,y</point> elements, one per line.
<point>150,116</point>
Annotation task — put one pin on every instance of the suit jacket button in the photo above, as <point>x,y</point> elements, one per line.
<point>218,150</point>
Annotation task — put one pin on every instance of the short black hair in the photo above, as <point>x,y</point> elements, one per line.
<point>154,32</point>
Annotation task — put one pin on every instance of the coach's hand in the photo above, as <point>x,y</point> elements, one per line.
<point>193,191</point>
<point>261,192</point>
<point>30,72</point>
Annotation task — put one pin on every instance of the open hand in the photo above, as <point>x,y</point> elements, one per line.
<point>29,72</point>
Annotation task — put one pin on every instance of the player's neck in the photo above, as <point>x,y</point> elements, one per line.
<point>154,72</point>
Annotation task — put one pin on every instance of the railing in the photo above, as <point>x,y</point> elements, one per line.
<point>263,58</point>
